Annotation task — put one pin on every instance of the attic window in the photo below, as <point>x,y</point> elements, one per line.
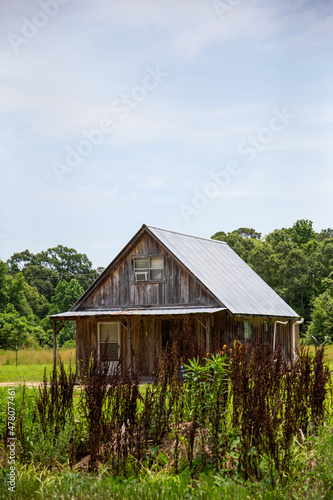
<point>148,268</point>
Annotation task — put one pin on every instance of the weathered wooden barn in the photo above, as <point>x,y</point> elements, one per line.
<point>162,276</point>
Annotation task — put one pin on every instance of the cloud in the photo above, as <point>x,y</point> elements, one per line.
<point>191,26</point>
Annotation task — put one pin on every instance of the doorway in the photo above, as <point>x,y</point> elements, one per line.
<point>169,326</point>
<point>109,345</point>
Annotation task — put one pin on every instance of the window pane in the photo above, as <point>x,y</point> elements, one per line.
<point>156,262</point>
<point>108,352</point>
<point>156,274</point>
<point>247,328</point>
<point>109,332</point>
<point>140,263</point>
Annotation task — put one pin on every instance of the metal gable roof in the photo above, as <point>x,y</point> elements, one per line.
<point>225,274</point>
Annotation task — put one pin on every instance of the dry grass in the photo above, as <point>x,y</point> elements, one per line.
<point>35,357</point>
<point>328,354</point>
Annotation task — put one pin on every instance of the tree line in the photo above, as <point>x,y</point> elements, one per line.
<point>297,262</point>
<point>32,286</point>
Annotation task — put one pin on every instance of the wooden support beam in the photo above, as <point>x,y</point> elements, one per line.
<point>55,331</point>
<point>129,329</point>
<point>208,333</point>
<point>54,346</point>
<point>60,327</point>
<point>129,347</point>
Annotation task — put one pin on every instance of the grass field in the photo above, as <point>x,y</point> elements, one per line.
<point>48,459</point>
<point>31,363</point>
<point>23,373</point>
<point>35,356</point>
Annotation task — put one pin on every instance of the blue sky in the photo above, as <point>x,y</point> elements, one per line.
<point>193,115</point>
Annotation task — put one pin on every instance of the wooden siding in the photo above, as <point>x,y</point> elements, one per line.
<point>226,328</point>
<point>119,289</point>
<point>140,336</point>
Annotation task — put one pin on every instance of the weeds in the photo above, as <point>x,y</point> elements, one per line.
<point>239,414</point>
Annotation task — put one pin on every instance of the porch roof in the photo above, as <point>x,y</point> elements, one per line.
<point>161,311</point>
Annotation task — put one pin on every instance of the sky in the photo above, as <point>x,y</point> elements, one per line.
<point>193,115</point>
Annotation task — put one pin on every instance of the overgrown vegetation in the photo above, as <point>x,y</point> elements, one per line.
<point>244,422</point>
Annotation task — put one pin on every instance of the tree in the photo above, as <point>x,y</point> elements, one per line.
<point>321,324</point>
<point>246,232</point>
<point>325,233</point>
<point>293,261</point>
<point>68,264</point>
<point>3,285</point>
<point>65,296</point>
<point>239,240</point>
<point>45,269</point>
<point>16,330</point>
<point>12,290</point>
<point>18,261</point>
<point>35,285</point>
<point>220,235</point>
<point>43,278</point>
<point>302,232</point>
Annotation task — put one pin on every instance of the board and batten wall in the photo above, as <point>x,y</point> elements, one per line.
<point>137,348</point>
<point>120,290</point>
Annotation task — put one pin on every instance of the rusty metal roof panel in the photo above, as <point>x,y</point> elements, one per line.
<point>161,311</point>
<point>225,274</point>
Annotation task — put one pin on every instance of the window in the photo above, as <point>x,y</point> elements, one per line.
<point>141,268</point>
<point>156,268</point>
<point>109,341</point>
<point>247,331</point>
<point>266,332</point>
<point>148,268</point>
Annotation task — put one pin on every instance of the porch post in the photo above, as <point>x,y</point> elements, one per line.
<point>76,351</point>
<point>208,333</point>
<point>54,347</point>
<point>129,347</point>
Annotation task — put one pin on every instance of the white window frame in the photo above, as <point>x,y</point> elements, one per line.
<point>247,330</point>
<point>266,331</point>
<point>145,272</point>
<point>99,339</point>
<point>140,272</point>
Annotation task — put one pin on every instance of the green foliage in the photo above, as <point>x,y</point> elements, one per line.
<point>33,286</point>
<point>53,435</point>
<point>65,295</point>
<point>42,278</point>
<point>321,325</point>
<point>302,232</point>
<point>52,265</point>
<point>38,304</point>
<point>295,262</point>
<point>4,299</point>
<point>206,395</point>
<point>69,344</point>
<point>16,330</point>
